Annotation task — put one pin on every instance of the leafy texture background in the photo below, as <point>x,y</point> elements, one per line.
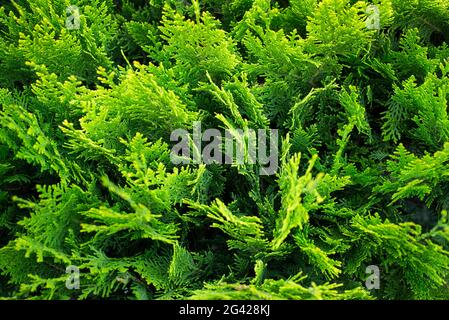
<point>86,178</point>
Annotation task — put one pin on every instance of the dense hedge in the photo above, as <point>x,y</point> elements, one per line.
<point>86,178</point>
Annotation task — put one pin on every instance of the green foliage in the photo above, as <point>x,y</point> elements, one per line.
<point>87,181</point>
<point>35,31</point>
